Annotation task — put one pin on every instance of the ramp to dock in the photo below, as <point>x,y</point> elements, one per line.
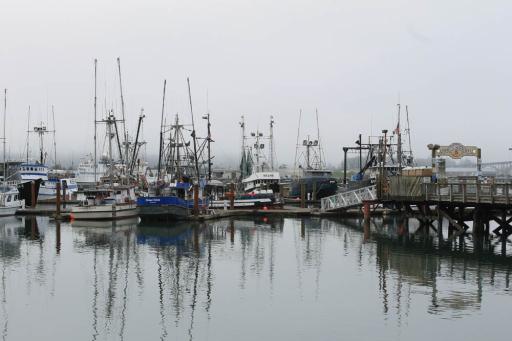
<point>349,199</point>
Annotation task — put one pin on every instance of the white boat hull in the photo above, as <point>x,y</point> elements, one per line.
<point>104,212</point>
<point>8,211</point>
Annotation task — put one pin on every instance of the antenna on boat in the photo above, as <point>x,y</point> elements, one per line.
<point>297,144</point>
<point>95,121</point>
<point>4,137</point>
<point>161,133</point>
<point>122,112</point>
<point>54,141</point>
<point>193,131</point>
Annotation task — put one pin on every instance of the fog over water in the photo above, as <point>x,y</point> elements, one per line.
<point>353,60</point>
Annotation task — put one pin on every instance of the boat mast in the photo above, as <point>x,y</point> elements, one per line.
<point>318,138</point>
<point>95,122</point>
<point>110,120</point>
<point>297,145</point>
<point>161,133</point>
<point>399,144</point>
<point>4,137</point>
<point>209,140</point>
<point>409,132</point>
<point>193,131</point>
<point>308,146</point>
<point>126,144</point>
<point>271,142</point>
<point>54,141</point>
<point>28,133</point>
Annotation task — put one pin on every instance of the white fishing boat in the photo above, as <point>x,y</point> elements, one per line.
<point>113,203</point>
<point>9,196</point>
<point>48,189</point>
<point>258,175</point>
<point>10,201</point>
<point>261,183</point>
<point>86,175</point>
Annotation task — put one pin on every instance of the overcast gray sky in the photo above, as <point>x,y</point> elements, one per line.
<point>450,61</point>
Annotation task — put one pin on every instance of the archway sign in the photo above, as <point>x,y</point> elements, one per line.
<point>457,151</point>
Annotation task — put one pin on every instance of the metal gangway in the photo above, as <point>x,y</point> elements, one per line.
<point>349,199</point>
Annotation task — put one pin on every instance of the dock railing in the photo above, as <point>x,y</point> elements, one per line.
<point>474,193</point>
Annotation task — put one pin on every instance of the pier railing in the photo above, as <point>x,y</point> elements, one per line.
<point>349,199</point>
<point>469,193</point>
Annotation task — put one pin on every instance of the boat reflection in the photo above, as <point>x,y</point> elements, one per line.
<point>177,277</point>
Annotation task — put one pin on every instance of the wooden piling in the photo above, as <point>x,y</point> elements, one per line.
<point>64,196</point>
<point>313,196</point>
<point>196,199</point>
<point>366,210</point>
<point>232,197</point>
<point>302,195</point>
<point>57,200</point>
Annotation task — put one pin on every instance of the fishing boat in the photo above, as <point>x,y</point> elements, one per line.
<point>10,200</point>
<point>86,175</point>
<point>171,204</point>
<point>106,203</point>
<point>312,172</point>
<point>257,170</point>
<point>179,172</point>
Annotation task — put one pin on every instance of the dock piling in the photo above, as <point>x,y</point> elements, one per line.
<point>57,200</point>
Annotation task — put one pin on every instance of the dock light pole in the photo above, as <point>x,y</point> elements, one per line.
<point>345,150</point>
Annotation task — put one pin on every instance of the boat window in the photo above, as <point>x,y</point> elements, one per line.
<point>8,198</point>
<point>31,168</point>
<point>16,197</point>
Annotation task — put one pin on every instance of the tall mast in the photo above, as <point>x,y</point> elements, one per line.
<point>297,145</point>
<point>258,168</point>
<point>308,146</point>
<point>4,137</point>
<point>95,122</point>
<point>54,141</point>
<point>209,146</point>
<point>193,131</point>
<point>122,112</point>
<point>272,142</point>
<point>110,120</point>
<point>399,142</point>
<point>408,131</point>
<point>161,133</point>
<point>318,138</point>
<point>28,133</point>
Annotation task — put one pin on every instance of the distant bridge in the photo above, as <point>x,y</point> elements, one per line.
<point>503,167</point>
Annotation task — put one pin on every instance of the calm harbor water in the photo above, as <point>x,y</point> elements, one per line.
<point>247,279</point>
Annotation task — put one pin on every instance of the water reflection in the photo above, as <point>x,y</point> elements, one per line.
<point>212,280</point>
